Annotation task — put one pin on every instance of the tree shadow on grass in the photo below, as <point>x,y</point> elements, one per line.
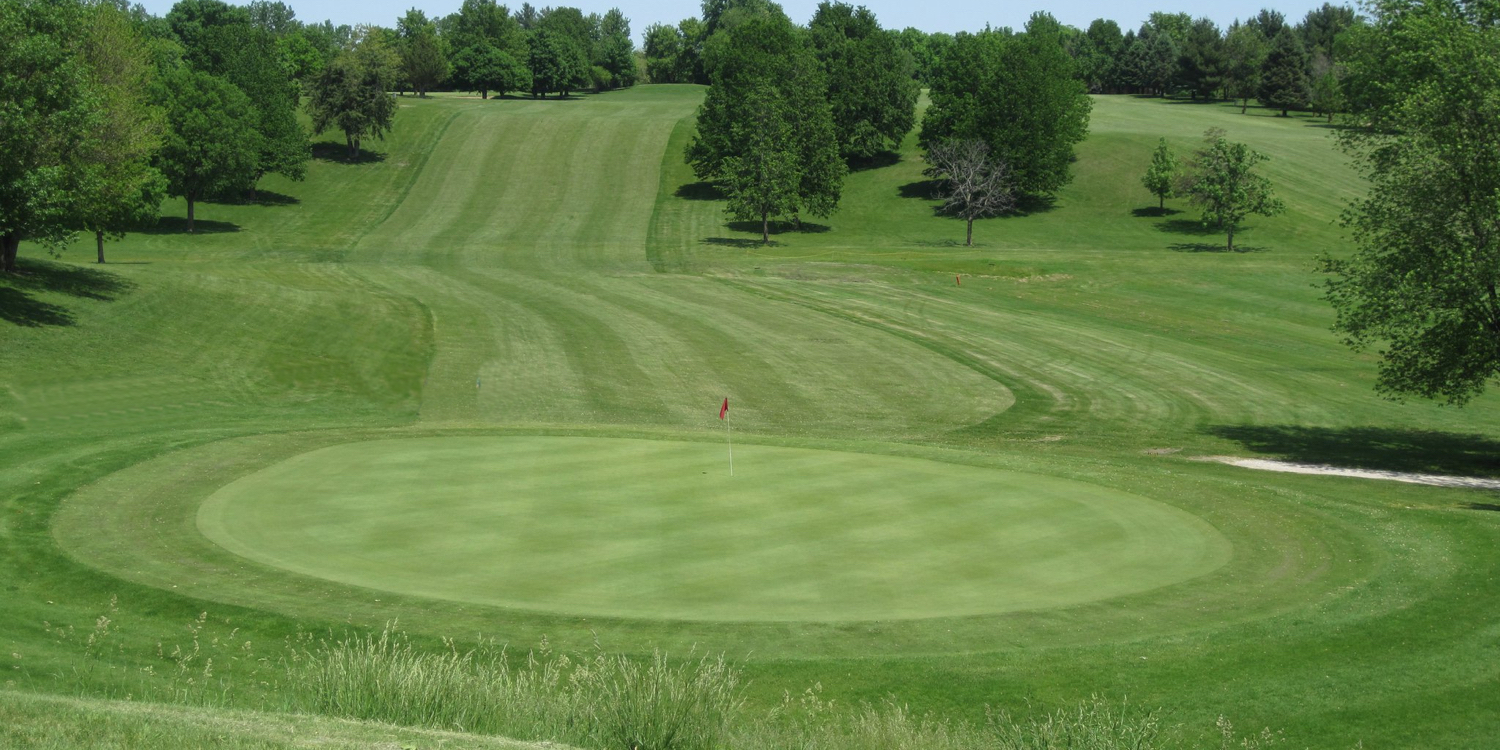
<point>1389,449</point>
<point>260,198</point>
<point>700,191</point>
<point>1188,226</point>
<point>179,225</point>
<point>1153,212</point>
<point>1027,205</point>
<point>74,281</point>
<point>1210,247</point>
<point>926,190</point>
<point>339,153</point>
<point>875,161</point>
<point>780,227</point>
<point>22,309</point>
<point>1482,506</point>
<point>738,242</point>
<point>19,308</point>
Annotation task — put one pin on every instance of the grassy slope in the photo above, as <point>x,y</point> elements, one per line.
<point>523,244</point>
<point>50,723</point>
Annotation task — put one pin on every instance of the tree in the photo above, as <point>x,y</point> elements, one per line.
<point>975,184</point>
<point>762,178</point>
<point>872,88</point>
<point>556,63</point>
<point>1104,45</point>
<point>663,50</point>
<point>489,49</point>
<point>352,95</point>
<point>484,68</point>
<point>47,112</point>
<point>1268,22</point>
<point>276,18</point>
<point>1422,280</point>
<point>1161,176</point>
<point>1020,95</point>
<point>1322,25</point>
<point>224,41</point>
<point>613,50</point>
<point>123,189</point>
<point>1158,66</point>
<point>1326,96</point>
<point>1283,76</point>
<point>424,61</point>
<point>1201,66</point>
<point>763,59</point>
<point>694,37</point>
<point>1220,181</point>
<point>211,146</point>
<point>1244,56</point>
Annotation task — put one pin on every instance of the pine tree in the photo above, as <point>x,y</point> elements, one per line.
<point>1283,77</point>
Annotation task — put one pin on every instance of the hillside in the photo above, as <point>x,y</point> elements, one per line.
<point>525,272</point>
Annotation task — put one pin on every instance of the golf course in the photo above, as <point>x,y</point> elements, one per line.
<point>467,386</point>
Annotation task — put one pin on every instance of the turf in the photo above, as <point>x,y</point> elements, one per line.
<point>660,530</point>
<point>560,254</point>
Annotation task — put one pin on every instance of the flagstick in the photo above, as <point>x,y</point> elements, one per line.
<point>731,443</point>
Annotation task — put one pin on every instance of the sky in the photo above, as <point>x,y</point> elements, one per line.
<point>928,15</point>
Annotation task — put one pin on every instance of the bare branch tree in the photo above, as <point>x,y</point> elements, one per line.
<point>975,184</point>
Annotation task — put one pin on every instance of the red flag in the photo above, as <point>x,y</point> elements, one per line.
<point>725,408</point>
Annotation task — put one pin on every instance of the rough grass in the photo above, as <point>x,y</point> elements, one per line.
<point>557,253</point>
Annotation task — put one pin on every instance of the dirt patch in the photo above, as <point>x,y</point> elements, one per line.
<point>1436,480</point>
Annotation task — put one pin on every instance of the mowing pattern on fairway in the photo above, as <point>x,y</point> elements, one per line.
<point>658,529</point>
<point>512,269</point>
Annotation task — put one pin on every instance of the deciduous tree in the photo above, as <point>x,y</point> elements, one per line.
<point>211,145</point>
<point>47,111</point>
<point>1020,95</point>
<point>762,177</point>
<point>975,184</point>
<point>352,94</point>
<point>1161,176</point>
<point>1244,55</point>
<point>123,188</point>
<point>1421,283</point>
<point>424,58</point>
<point>872,87</point>
<point>1220,180</point>
<point>765,55</point>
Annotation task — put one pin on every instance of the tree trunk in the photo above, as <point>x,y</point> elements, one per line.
<point>1230,243</point>
<point>99,240</point>
<point>969,240</point>
<point>1161,204</point>
<point>1283,113</point>
<point>190,214</point>
<point>349,140</point>
<point>765,228</point>
<point>8,245</point>
<point>484,94</point>
<point>1244,104</point>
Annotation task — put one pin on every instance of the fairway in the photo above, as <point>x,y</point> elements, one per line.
<point>649,528</point>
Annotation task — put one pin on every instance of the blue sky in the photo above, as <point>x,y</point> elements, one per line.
<point>931,15</point>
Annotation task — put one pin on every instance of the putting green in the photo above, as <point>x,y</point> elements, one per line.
<point>658,529</point>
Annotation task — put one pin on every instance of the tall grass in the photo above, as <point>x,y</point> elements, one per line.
<point>593,700</point>
<point>597,700</point>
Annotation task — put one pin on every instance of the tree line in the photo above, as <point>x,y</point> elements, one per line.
<point>1282,65</point>
<point>790,108</point>
<point>107,110</point>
